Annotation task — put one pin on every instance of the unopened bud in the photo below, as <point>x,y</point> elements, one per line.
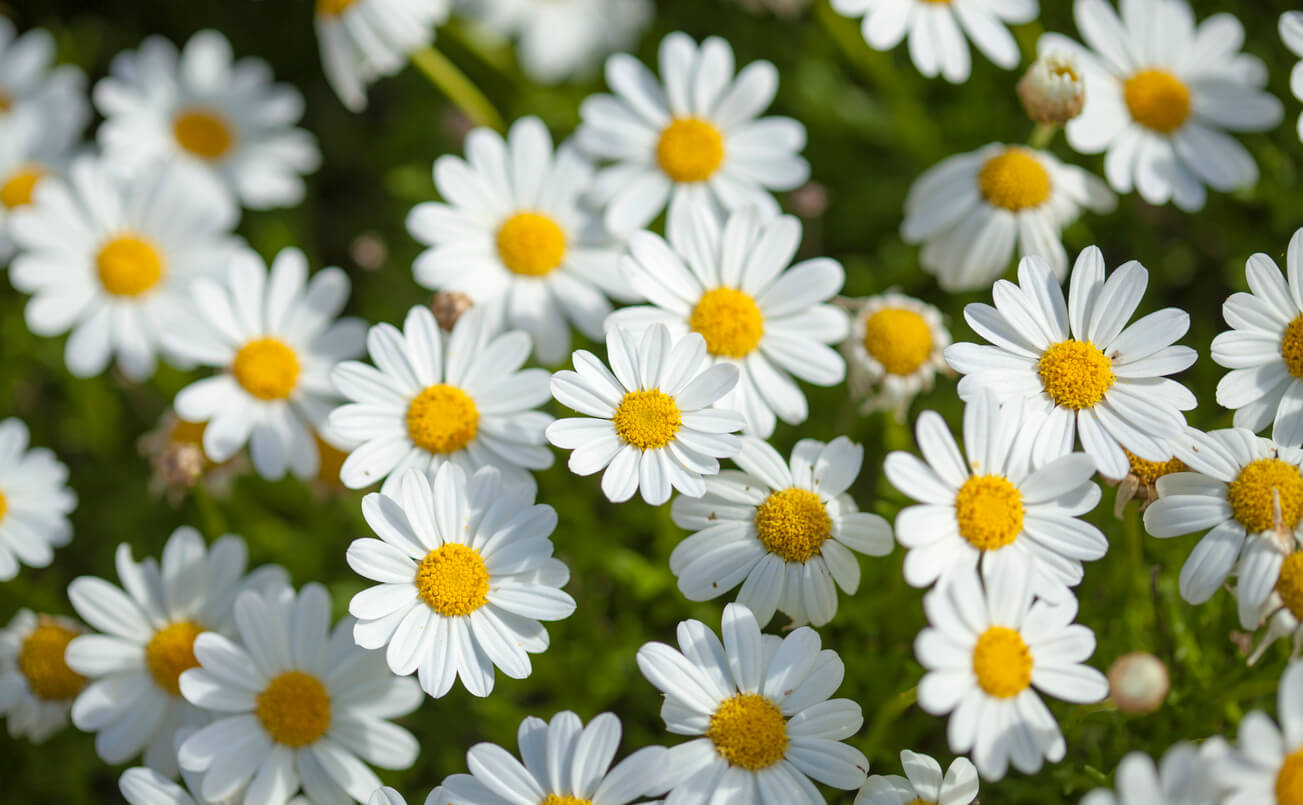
<point>448,307</point>
<point>1138,683</point>
<point>1052,91</point>
<point>180,465</point>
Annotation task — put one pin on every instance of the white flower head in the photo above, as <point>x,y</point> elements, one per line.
<point>564,39</point>
<point>27,157</point>
<point>49,101</point>
<point>1181,778</point>
<point>895,349</point>
<point>362,41</point>
<point>1267,766</point>
<point>1052,91</point>
<point>923,782</point>
<point>35,501</point>
<point>1291,32</point>
<point>37,687</point>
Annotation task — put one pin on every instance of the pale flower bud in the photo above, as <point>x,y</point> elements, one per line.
<point>448,306</point>
<point>1052,91</point>
<point>1138,683</point>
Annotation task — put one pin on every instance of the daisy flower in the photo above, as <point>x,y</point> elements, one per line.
<point>653,423</point>
<point>783,531</point>
<point>27,157</point>
<point>696,137</point>
<point>1267,767</point>
<point>895,350</point>
<point>201,107</point>
<point>988,650</point>
<point>565,762</point>
<point>1181,778</point>
<point>564,39</point>
<point>1291,31</point>
<point>36,685</point>
<point>997,506</point>
<point>922,783</point>
<point>112,259</point>
<point>971,210</point>
<point>512,233</point>
<point>34,502</point>
<point>297,703</point>
<point>733,283</point>
<point>1161,94</point>
<point>1280,617</point>
<point>939,30</point>
<point>149,625</point>
<point>465,572</point>
<point>32,90</point>
<point>365,40</point>
<point>144,786</point>
<point>1082,369</point>
<point>275,336</point>
<point>1051,90</point>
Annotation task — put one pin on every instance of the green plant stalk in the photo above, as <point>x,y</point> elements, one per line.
<point>453,83</point>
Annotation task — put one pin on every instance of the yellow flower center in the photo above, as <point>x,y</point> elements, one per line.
<point>989,511</point>
<point>1289,586</point>
<point>1252,492</point>
<point>1291,346</point>
<point>170,652</point>
<point>183,432</point>
<point>1147,472</point>
<point>333,8</point>
<point>1157,100</point>
<point>647,419</point>
<point>793,524</point>
<point>442,419</point>
<point>729,320</point>
<point>568,799</point>
<point>4,506</point>
<point>128,266</point>
<point>17,189</point>
<point>1289,781</point>
<point>1002,662</point>
<point>41,661</point>
<point>294,709</point>
<point>1075,374</point>
<point>267,368</point>
<point>531,244</point>
<point>690,150</point>
<point>204,133</point>
<point>1014,180</point>
<point>899,339</point>
<point>749,731</point>
<point>918,800</point>
<point>453,580</point>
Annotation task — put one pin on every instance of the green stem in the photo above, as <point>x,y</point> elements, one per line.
<point>210,514</point>
<point>1042,135</point>
<point>459,89</point>
<point>887,716</point>
<point>1141,621</point>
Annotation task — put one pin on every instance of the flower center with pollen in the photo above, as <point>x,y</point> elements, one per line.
<point>1075,374</point>
<point>1291,347</point>
<point>1157,100</point>
<point>18,187</point>
<point>1289,586</point>
<point>203,132</point>
<point>749,731</point>
<point>41,661</point>
<point>1289,780</point>
<point>920,801</point>
<point>1253,492</point>
<point>128,266</point>
<point>793,524</point>
<point>4,506</point>
<point>531,244</point>
<point>567,799</point>
<point>1002,662</point>
<point>1147,472</point>
<point>171,652</point>
<point>333,8</point>
<point>690,150</point>
<point>647,419</point>
<point>267,368</point>
<point>294,708</point>
<point>442,419</point>
<point>1014,180</point>
<point>729,320</point>
<point>899,339</point>
<point>989,511</point>
<point>453,580</point>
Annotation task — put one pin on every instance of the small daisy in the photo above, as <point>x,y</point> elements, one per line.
<point>922,783</point>
<point>895,350</point>
<point>1291,31</point>
<point>52,100</point>
<point>512,233</point>
<point>1142,481</point>
<point>144,786</point>
<point>1161,95</point>
<point>275,336</point>
<point>297,703</point>
<point>223,116</point>
<point>1082,369</point>
<point>560,39</point>
<point>34,502</point>
<point>364,40</point>
<point>784,532</point>
<point>1182,778</point>
<point>112,259</point>
<point>985,648</point>
<point>36,685</point>
<point>733,283</point>
<point>760,704</point>
<point>27,157</point>
<point>653,424</point>
<point>969,212</point>
<point>1267,767</point>
<point>696,137</point>
<point>937,30</point>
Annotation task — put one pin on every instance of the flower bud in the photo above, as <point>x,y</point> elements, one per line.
<point>448,306</point>
<point>1052,91</point>
<point>1138,683</point>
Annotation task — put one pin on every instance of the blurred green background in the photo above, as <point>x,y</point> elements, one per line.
<point>874,126</point>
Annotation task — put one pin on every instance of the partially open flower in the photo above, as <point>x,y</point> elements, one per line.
<point>176,453</point>
<point>1138,683</point>
<point>1052,91</point>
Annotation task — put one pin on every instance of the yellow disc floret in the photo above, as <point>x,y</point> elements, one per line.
<point>1014,180</point>
<point>749,730</point>
<point>204,133</point>
<point>690,150</point>
<point>453,580</point>
<point>41,662</point>
<point>1147,472</point>
<point>1002,662</point>
<point>1289,780</point>
<point>171,652</point>
<point>18,186</point>
<point>294,708</point>
<point>1252,494</point>
<point>564,799</point>
<point>4,506</point>
<point>128,265</point>
<point>1157,100</point>
<point>333,8</point>
<point>442,419</point>
<point>647,419</point>
<point>1075,374</point>
<point>1289,586</point>
<point>989,511</point>
<point>729,320</point>
<point>531,244</point>
<point>267,368</point>
<point>899,339</point>
<point>1291,347</point>
<point>793,524</point>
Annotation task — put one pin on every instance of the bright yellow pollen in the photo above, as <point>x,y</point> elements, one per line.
<point>333,8</point>
<point>442,419</point>
<point>128,266</point>
<point>531,244</point>
<point>729,320</point>
<point>1002,662</point>
<point>1252,492</point>
<point>4,506</point>
<point>294,709</point>
<point>647,419</point>
<point>899,339</point>
<point>558,799</point>
<point>453,580</point>
<point>1147,472</point>
<point>1289,780</point>
<point>1289,586</point>
<point>1014,180</point>
<point>749,731</point>
<point>41,661</point>
<point>204,133</point>
<point>18,188</point>
<point>1291,347</point>
<point>1075,374</point>
<point>1157,100</point>
<point>793,524</point>
<point>989,511</point>
<point>170,652</point>
<point>690,150</point>
<point>267,368</point>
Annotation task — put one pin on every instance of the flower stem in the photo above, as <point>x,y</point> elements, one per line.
<point>459,89</point>
<point>1042,135</point>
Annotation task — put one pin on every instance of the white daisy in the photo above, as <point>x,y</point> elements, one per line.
<point>653,424</point>
<point>1161,95</point>
<point>34,502</point>
<point>1291,32</point>
<point>50,99</point>
<point>1282,612</point>
<point>895,350</point>
<point>1083,370</point>
<point>939,30</point>
<point>298,704</point>
<point>784,532</point>
<point>969,211</point>
<point>1267,766</point>
<point>27,157</point>
<point>275,336</point>
<point>149,625</point>
<point>560,39</point>
<point>364,40</point>
<point>696,137</point>
<point>985,648</point>
<point>36,685</point>
<point>1181,778</point>
<point>144,786</point>
<point>730,282</point>
<point>223,116</point>
<point>760,703</point>
<point>113,259</point>
<point>997,506</point>
<point>512,233</point>
<point>922,783</point>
